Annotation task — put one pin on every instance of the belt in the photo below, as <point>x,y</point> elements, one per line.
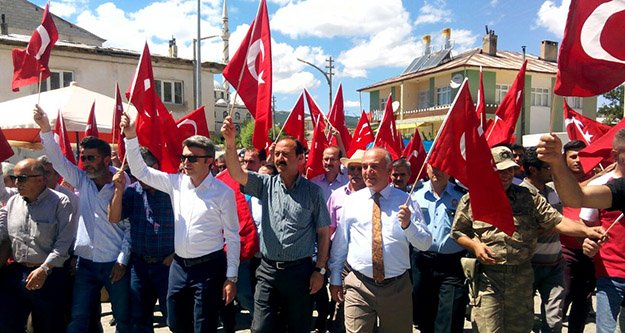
<point>150,259</point>
<point>286,264</point>
<point>199,260</point>
<point>384,282</point>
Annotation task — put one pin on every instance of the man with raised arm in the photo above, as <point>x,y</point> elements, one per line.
<point>202,276</point>
<point>294,217</point>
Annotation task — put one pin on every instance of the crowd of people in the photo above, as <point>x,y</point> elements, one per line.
<point>358,244</point>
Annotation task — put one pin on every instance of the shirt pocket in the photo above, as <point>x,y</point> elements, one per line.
<point>298,217</point>
<point>43,230</point>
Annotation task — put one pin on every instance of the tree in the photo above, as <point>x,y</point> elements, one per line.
<point>613,109</point>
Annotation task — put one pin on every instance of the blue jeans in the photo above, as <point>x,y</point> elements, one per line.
<point>90,278</point>
<point>245,290</point>
<point>148,282</point>
<point>610,292</point>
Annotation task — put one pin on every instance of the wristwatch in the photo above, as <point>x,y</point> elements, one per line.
<point>321,270</point>
<point>233,279</point>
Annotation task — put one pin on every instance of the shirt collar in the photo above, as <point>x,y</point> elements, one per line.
<point>298,180</point>
<point>385,193</point>
<point>206,183</point>
<point>41,196</point>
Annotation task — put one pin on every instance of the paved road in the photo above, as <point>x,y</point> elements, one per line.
<point>244,320</point>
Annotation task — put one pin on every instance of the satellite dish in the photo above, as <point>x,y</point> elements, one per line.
<point>395,106</point>
<point>456,81</point>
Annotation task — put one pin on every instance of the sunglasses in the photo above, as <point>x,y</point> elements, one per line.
<point>192,158</point>
<point>23,178</point>
<point>354,168</point>
<point>89,158</point>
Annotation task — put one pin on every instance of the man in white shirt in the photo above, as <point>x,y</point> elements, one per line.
<point>202,277</point>
<point>373,238</point>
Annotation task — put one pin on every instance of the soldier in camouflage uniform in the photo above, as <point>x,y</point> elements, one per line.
<point>505,300</point>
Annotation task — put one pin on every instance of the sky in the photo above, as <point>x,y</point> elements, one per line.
<point>369,40</point>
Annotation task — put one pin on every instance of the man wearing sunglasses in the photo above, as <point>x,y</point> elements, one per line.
<point>102,248</point>
<point>38,222</point>
<point>202,276</point>
<point>295,216</point>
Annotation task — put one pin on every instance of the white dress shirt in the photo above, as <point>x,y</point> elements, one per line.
<point>203,215</point>
<point>352,241</point>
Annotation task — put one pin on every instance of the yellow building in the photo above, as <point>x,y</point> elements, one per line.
<point>429,84</point>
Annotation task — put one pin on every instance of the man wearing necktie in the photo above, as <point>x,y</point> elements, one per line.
<point>372,241</point>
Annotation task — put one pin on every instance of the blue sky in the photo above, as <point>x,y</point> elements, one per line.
<point>370,40</point>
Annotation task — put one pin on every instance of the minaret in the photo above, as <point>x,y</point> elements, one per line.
<point>225,36</point>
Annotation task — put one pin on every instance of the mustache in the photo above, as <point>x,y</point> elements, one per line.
<point>281,163</point>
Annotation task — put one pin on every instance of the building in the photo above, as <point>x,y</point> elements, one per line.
<point>223,105</point>
<point>428,85</point>
<point>79,56</point>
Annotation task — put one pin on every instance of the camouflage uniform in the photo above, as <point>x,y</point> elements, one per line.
<point>505,298</point>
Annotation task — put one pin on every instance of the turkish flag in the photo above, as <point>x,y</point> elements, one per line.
<point>582,128</point>
<point>415,154</point>
<point>156,128</point>
<point>117,135</point>
<point>193,123</point>
<point>501,130</point>
<point>30,62</point>
<point>90,130</point>
<point>600,149</point>
<point>250,72</point>
<point>315,112</point>
<point>314,162</point>
<point>592,57</point>
<point>62,139</point>
<point>461,151</point>
<point>294,124</point>
<point>337,118</point>
<point>5,149</point>
<point>363,135</point>
<point>481,104</point>
<point>387,133</point>
<point>247,228</point>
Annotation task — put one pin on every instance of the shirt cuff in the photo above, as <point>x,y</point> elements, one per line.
<point>232,271</point>
<point>122,258</point>
<point>132,143</point>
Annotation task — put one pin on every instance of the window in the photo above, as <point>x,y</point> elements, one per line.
<point>540,97</point>
<point>248,116</point>
<point>574,102</point>
<point>424,99</point>
<point>443,96</point>
<point>237,116</point>
<point>57,79</point>
<point>500,92</point>
<point>169,91</point>
<point>382,104</point>
<point>225,114</point>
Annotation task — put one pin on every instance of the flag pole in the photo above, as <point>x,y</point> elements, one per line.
<point>281,129</point>
<point>427,156</point>
<point>39,87</point>
<point>552,111</point>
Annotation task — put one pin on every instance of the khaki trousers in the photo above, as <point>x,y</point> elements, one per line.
<point>365,302</point>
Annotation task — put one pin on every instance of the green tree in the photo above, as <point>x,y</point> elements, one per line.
<point>245,136</point>
<point>612,111</point>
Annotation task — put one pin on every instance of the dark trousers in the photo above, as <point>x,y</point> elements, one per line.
<point>148,282</point>
<point>47,304</point>
<point>439,293</point>
<point>282,298</point>
<point>194,298</point>
<point>579,283</point>
<point>90,278</point>
<point>322,305</point>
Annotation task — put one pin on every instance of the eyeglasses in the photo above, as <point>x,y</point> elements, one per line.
<point>192,158</point>
<point>89,158</point>
<point>23,178</point>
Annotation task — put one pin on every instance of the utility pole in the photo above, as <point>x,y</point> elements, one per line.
<point>273,117</point>
<point>327,75</point>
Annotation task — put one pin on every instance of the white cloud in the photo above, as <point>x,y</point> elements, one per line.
<point>433,13</point>
<point>351,104</point>
<point>553,17</point>
<point>461,39</point>
<point>330,18</point>
<point>67,8</point>
<point>157,23</point>
<point>494,3</point>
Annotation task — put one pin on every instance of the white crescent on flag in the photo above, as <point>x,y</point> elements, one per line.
<point>189,122</point>
<point>592,29</point>
<point>463,148</point>
<point>45,41</point>
<point>255,49</point>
